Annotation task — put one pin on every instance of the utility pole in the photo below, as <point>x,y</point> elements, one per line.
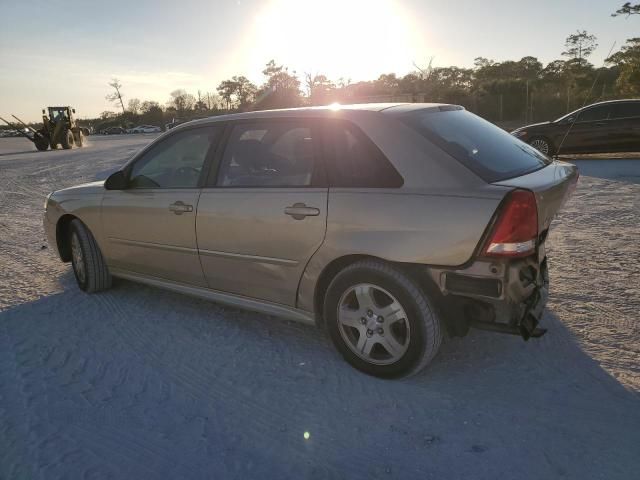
<point>526,105</point>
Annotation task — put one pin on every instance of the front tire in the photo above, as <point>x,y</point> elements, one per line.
<point>89,266</point>
<point>381,321</point>
<point>41,141</point>
<point>542,144</point>
<point>67,140</point>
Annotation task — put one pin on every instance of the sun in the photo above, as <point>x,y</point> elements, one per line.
<point>350,39</point>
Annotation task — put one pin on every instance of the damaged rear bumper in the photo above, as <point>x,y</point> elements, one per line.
<point>501,296</point>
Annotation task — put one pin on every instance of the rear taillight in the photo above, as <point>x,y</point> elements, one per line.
<point>515,231</point>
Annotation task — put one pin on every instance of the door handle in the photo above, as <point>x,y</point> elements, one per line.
<point>299,211</point>
<point>600,124</point>
<point>180,207</point>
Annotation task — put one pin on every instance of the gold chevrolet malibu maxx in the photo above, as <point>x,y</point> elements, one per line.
<point>388,225</point>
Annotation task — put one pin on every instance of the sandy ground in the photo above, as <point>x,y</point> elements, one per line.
<point>140,383</point>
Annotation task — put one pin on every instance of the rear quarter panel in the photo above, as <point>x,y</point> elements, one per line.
<point>552,186</point>
<point>401,226</point>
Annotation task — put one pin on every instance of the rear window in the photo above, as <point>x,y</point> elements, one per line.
<point>484,148</point>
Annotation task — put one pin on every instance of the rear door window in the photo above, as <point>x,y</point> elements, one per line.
<point>487,150</point>
<point>269,154</point>
<point>354,160</point>
<point>626,110</point>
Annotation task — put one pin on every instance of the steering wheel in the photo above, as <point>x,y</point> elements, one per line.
<point>187,172</point>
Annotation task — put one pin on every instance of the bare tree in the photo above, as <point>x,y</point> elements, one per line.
<point>134,105</point>
<point>425,72</point>
<point>116,96</point>
<point>182,101</point>
<point>319,88</point>
<point>149,105</point>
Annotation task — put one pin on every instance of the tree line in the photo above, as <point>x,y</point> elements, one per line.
<point>522,90</point>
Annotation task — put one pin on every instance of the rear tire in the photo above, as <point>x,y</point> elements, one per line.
<point>67,140</point>
<point>381,321</point>
<point>89,266</point>
<point>79,138</point>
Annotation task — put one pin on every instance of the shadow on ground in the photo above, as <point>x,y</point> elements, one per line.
<point>138,382</point>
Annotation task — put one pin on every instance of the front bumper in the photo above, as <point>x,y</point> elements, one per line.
<point>501,296</point>
<point>49,222</point>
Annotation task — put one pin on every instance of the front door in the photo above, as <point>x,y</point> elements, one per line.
<point>150,227</point>
<point>264,214</point>
<point>592,131</point>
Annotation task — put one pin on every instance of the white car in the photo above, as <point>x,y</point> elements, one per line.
<point>146,129</point>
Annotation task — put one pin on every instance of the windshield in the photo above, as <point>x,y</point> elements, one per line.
<point>487,150</point>
<point>57,113</point>
<point>568,115</point>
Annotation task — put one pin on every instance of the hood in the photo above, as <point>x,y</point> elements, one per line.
<point>84,189</point>
<point>533,125</point>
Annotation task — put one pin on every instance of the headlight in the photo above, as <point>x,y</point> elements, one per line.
<point>46,200</point>
<point>518,134</point>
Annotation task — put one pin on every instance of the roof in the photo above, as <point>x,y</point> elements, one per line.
<point>619,100</point>
<point>317,111</point>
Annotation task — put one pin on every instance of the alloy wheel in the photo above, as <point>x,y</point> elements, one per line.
<point>373,324</point>
<point>540,145</point>
<point>77,258</point>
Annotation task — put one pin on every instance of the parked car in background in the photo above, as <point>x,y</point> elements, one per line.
<point>146,129</point>
<point>113,131</point>
<point>605,127</point>
<point>385,224</point>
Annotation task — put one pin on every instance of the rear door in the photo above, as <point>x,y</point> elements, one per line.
<point>263,213</point>
<point>151,225</point>
<point>625,118</point>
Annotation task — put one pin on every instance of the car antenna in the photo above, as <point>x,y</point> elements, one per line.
<point>595,80</point>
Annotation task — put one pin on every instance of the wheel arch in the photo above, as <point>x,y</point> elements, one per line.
<point>546,138</point>
<point>63,236</point>
<point>417,272</point>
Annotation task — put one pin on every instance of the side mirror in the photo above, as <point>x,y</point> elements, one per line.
<point>116,181</point>
<point>73,110</point>
<point>43,111</point>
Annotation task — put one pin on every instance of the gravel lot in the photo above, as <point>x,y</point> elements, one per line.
<point>141,383</point>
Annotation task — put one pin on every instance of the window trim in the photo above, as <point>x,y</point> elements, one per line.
<point>318,178</point>
<point>593,108</point>
<point>330,157</point>
<point>206,166</point>
<point>637,104</point>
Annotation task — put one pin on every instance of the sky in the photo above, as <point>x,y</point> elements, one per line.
<point>58,52</point>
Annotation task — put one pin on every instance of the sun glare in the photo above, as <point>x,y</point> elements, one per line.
<point>354,39</point>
